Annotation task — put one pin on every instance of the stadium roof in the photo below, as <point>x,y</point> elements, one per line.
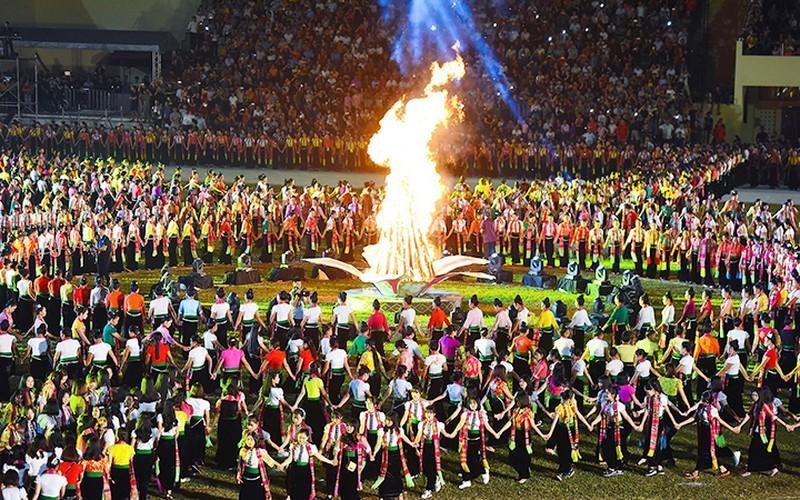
<point>110,40</point>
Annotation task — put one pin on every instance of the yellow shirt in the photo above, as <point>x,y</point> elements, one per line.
<point>121,454</point>
<point>367,360</point>
<point>313,387</point>
<point>77,326</point>
<point>547,320</point>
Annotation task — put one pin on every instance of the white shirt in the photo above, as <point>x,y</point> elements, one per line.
<point>134,347</point>
<point>435,363</point>
<point>686,365</point>
<point>68,348</point>
<point>579,367</point>
<point>735,363</point>
<point>740,336</point>
<point>342,314</point>
<point>643,368</point>
<point>501,319</point>
<point>336,358</point>
<point>646,317</point>
<point>51,484</point>
<point>597,347</point>
<point>564,346</point>
<point>325,346</point>
<point>199,406</point>
<point>38,346</point>
<point>219,311</point>
<point>409,316</point>
<point>198,356</point>
<point>312,315</point>
<point>614,367</point>
<point>668,315</point>
<point>248,310</point>
<point>7,343</point>
<point>580,319</point>
<point>159,307</point>
<point>15,493</point>
<point>522,315</point>
<point>209,338</point>
<point>100,351</point>
<point>485,347</point>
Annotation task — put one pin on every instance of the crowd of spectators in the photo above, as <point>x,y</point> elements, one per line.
<point>772,28</point>
<point>582,72</point>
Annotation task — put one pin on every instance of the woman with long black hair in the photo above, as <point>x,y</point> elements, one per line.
<point>763,455</point>
<point>252,475</point>
<point>145,439</point>
<point>313,398</point>
<point>733,375</point>
<point>520,449</point>
<point>471,430</point>
<point>353,452</point>
<point>95,468</point>
<point>565,435</point>
<point>609,418</point>
<point>168,453</point>
<point>711,445</point>
<point>393,475</point>
<point>300,479</point>
<point>229,411</point>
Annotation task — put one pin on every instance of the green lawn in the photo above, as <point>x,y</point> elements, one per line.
<point>587,482</point>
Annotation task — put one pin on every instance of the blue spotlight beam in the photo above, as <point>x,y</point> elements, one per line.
<point>433,26</point>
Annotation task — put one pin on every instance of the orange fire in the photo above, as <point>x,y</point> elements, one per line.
<point>413,186</point>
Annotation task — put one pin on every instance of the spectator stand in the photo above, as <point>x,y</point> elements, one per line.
<point>89,97</point>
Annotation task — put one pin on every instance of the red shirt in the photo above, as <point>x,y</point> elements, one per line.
<point>71,471</point>
<point>40,284</point>
<point>438,318</point>
<point>160,356</point>
<point>81,295</point>
<point>771,355</point>
<point>377,321</point>
<point>55,286</point>
<point>275,359</point>
<point>307,357</point>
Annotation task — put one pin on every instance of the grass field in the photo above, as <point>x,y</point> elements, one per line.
<point>587,481</point>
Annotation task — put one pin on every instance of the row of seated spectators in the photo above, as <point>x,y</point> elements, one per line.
<point>772,27</point>
<point>581,71</point>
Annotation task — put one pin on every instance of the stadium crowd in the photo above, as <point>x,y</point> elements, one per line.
<point>579,76</point>
<point>771,28</point>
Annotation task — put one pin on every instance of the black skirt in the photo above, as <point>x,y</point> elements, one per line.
<point>92,488</point>
<point>519,457</point>
<point>133,373</point>
<point>229,433</point>
<point>298,481</point>
<point>166,463</point>
<point>347,479</point>
<point>393,482</point>
<point>759,459</point>
<point>251,488</point>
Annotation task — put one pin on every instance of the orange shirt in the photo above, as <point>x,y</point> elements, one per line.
<point>134,302</point>
<point>115,300</point>
<point>71,471</point>
<point>522,344</point>
<point>706,345</point>
<point>438,318</point>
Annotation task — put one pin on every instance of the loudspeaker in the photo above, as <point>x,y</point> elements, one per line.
<point>287,274</point>
<point>242,277</point>
<point>504,277</point>
<point>330,273</point>
<point>197,281</point>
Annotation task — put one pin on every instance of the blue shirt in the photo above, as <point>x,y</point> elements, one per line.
<point>189,308</point>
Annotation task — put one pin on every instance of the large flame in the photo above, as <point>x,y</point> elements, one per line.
<point>413,187</point>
